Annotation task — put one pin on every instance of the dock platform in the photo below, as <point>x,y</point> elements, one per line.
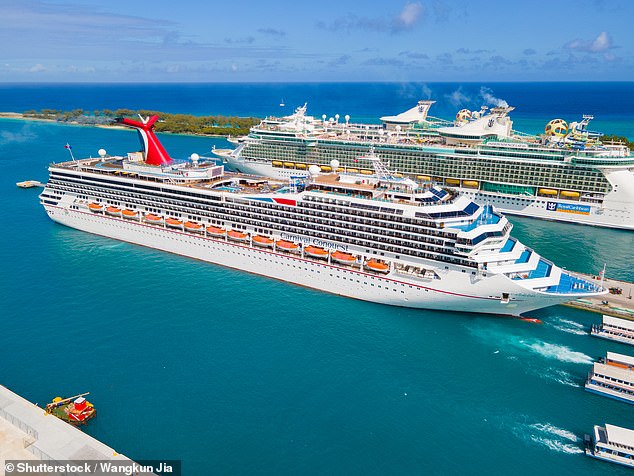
<point>27,432</point>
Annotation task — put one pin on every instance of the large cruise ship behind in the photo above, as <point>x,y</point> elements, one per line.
<point>375,237</point>
<point>566,174</point>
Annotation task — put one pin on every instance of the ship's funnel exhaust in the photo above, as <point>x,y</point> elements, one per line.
<point>155,153</point>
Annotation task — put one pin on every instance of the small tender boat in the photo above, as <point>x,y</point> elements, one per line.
<point>377,266</point>
<point>74,410</point>
<point>193,227</point>
<point>114,211</point>
<point>151,218</point>
<point>237,235</point>
<point>130,214</point>
<point>29,184</point>
<point>284,245</point>
<point>343,258</point>
<point>215,231</point>
<point>316,252</point>
<point>260,240</point>
<point>173,222</point>
<point>611,443</point>
<point>95,207</point>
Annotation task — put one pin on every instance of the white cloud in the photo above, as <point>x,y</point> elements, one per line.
<point>37,68</point>
<point>410,14</point>
<point>601,43</point>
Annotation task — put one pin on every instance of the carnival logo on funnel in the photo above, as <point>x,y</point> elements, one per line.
<point>155,153</point>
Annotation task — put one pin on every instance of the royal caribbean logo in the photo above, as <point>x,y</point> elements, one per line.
<point>568,208</point>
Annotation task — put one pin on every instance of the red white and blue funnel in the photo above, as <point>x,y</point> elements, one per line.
<point>155,153</point>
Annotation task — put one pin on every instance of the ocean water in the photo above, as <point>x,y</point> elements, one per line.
<point>239,374</point>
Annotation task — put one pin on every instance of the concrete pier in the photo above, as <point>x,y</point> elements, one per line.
<point>27,432</point>
<point>618,305</point>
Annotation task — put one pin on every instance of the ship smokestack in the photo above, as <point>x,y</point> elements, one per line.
<point>155,153</point>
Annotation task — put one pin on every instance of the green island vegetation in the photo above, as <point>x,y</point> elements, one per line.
<point>607,139</point>
<point>174,123</point>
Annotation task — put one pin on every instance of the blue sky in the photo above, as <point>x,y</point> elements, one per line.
<point>326,40</point>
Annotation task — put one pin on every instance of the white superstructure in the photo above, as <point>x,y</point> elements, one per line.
<point>378,238</point>
<point>567,174</point>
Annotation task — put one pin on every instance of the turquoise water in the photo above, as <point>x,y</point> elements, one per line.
<point>239,374</point>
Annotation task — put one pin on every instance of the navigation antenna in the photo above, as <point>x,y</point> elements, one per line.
<point>379,167</point>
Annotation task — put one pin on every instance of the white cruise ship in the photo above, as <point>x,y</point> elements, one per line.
<point>378,238</point>
<point>566,174</point>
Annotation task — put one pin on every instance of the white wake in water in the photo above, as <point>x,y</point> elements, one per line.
<point>553,430</point>
<point>558,352</point>
<point>550,436</point>
<point>554,438</point>
<point>559,376</point>
<point>570,327</point>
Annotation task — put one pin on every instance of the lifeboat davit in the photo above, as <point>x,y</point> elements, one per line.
<point>173,222</point>
<point>237,236</point>
<point>215,231</point>
<point>260,240</point>
<point>377,266</point>
<point>130,214</point>
<point>316,252</point>
<point>284,245</point>
<point>343,258</point>
<point>114,211</point>
<point>151,218</point>
<point>95,207</point>
<point>193,227</point>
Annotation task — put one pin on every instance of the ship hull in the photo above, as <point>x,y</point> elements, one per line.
<point>545,208</point>
<point>455,291</point>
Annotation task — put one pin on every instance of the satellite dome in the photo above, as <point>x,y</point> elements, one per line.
<point>463,115</point>
<point>314,169</point>
<point>334,163</point>
<point>102,153</point>
<point>556,127</point>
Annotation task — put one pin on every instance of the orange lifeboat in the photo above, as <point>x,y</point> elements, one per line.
<point>260,240</point>
<point>378,266</point>
<point>130,214</point>
<point>193,227</point>
<point>151,218</point>
<point>284,245</point>
<point>215,231</point>
<point>316,252</point>
<point>343,258</point>
<point>113,211</point>
<point>237,235</point>
<point>173,222</point>
<point>95,207</point>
